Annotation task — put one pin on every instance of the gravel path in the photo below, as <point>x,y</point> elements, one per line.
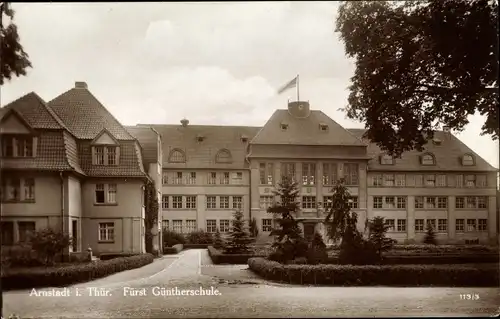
<point>240,294</point>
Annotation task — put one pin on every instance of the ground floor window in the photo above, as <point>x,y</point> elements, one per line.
<point>106,231</point>
<point>211,225</point>
<point>177,226</point>
<point>26,230</point>
<point>266,225</point>
<point>191,225</point>
<point>7,233</point>
<point>224,225</point>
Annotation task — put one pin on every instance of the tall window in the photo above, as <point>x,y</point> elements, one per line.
<point>401,202</point>
<point>7,146</point>
<point>192,178</point>
<point>164,202</point>
<point>178,178</point>
<point>26,230</point>
<point>419,202</point>
<point>308,201</point>
<point>225,178</point>
<point>401,180</point>
<point>106,231</point>
<point>164,179</point>
<point>7,233</point>
<point>419,225</point>
<point>388,179</point>
<point>329,174</point>
<point>237,202</point>
<point>389,202</point>
<point>470,180</point>
<point>211,202</point>
<point>482,224</point>
<point>224,226</point>
<point>442,202</point>
<point>266,172</point>
<point>24,146</point>
<point>459,225</point>
<point>112,193</point>
<point>211,225</point>
<point>190,225</point>
<point>288,171</point>
<point>460,202</point>
<point>430,180</point>
<point>353,202</point>
<point>471,225</point>
<point>191,202</point>
<point>176,202</point>
<point>177,226</point>
<point>377,202</point>
<point>442,225</point>
<point>430,202</point>
<point>266,224</point>
<point>111,154</point>
<point>266,201</point>
<point>237,178</point>
<point>99,155</point>
<point>224,202</point>
<point>212,178</point>
<point>105,155</point>
<point>99,194</point>
<point>391,224</point>
<point>166,224</point>
<point>351,174</point>
<point>377,180</point>
<point>401,225</point>
<point>481,181</point>
<point>441,180</point>
<point>308,173</point>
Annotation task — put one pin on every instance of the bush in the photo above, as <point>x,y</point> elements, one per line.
<point>72,274</point>
<point>430,236</point>
<point>446,248</point>
<point>218,241</point>
<point>171,238</point>
<point>175,249</point>
<point>317,250</point>
<point>48,243</point>
<point>372,275</point>
<point>195,246</point>
<point>20,256</point>
<point>199,237</point>
<point>116,255</point>
<point>218,257</point>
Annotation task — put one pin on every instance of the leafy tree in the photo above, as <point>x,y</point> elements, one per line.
<point>13,59</point>
<point>419,65</point>
<point>377,229</point>
<point>218,240</point>
<point>239,238</point>
<point>288,240</point>
<point>49,243</point>
<point>430,236</point>
<point>317,253</point>
<point>151,213</point>
<point>254,229</point>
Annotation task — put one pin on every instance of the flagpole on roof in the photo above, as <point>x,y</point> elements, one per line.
<point>298,88</point>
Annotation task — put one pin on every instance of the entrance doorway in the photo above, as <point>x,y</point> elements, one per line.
<point>74,239</point>
<point>309,230</point>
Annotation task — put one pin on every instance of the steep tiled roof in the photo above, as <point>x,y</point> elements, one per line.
<point>35,112</point>
<point>71,148</point>
<point>448,154</point>
<point>148,139</point>
<point>85,116</point>
<point>201,154</point>
<point>304,131</point>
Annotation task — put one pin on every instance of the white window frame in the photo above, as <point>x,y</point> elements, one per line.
<point>106,231</point>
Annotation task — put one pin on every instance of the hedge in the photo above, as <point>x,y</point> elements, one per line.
<point>70,274</point>
<point>196,246</point>
<point>116,255</point>
<point>432,259</point>
<point>372,275</point>
<point>398,248</point>
<point>220,258</point>
<point>175,249</point>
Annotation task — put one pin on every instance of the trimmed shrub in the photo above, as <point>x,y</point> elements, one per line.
<point>48,243</point>
<point>430,236</point>
<point>20,256</point>
<point>69,275</point>
<point>175,249</point>
<point>109,256</point>
<point>195,246</point>
<point>371,275</point>
<point>218,240</point>
<point>220,258</point>
<point>171,238</point>
<point>317,250</point>
<point>199,237</point>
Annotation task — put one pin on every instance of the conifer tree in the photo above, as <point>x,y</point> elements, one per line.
<point>430,236</point>
<point>218,241</point>
<point>239,238</point>
<point>377,229</point>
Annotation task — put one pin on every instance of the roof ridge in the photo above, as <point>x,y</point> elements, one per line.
<point>51,112</point>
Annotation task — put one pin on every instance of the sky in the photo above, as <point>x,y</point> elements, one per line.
<point>212,63</point>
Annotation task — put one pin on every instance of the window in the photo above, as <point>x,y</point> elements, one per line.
<point>329,174</point>
<point>323,127</point>
<point>164,202</point>
<point>388,180</point>
<point>266,225</point>
<point>177,226</point>
<point>112,193</point>
<point>481,181</point>
<point>164,178</point>
<point>442,202</point>
<point>26,229</point>
<point>266,201</point>
<point>12,187</point>
<point>29,189</point>
<point>178,178</point>
<point>419,180</point>
<point>308,173</point>
<point>431,223</point>
<point>105,155</point>
<point>389,202</point>
<point>467,160</point>
<point>459,225</point>
<point>191,202</point>
<point>460,180</point>
<point>211,202</point>
<point>401,224</point>
<point>190,225</point>
<point>401,180</point>
<point>238,178</point>
<point>470,180</point>
<point>419,202</point>
<point>288,171</point>
<point>192,178</point>
<point>471,225</point>
<point>166,224</point>
<point>99,155</point>
<point>482,224</point>
<point>401,202</point>
<point>419,225</point>
<point>223,156</point>
<point>441,180</point>
<point>427,159</point>
<point>24,146</point>
<point>106,231</point>
<point>353,202</point>
<point>212,178</point>
<point>390,223</point>
<point>481,202</point>
<point>8,146</point>
<point>224,202</point>
<point>225,178</point>
<point>7,233</point>
<point>308,202</point>
<point>386,160</point>
<point>266,172</point>
<point>442,225</point>
<point>111,154</point>
<point>327,201</point>
<point>224,225</point>
<point>177,156</point>
<point>430,180</point>
<point>351,173</point>
<point>430,202</point>
<point>460,202</point>
<point>471,202</point>
<point>99,194</point>
<point>284,126</point>
<point>377,180</point>
<point>237,202</point>
<point>377,202</point>
<point>176,202</point>
<point>211,226</point>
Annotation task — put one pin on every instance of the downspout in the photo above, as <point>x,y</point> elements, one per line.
<point>62,206</point>
<point>249,152</point>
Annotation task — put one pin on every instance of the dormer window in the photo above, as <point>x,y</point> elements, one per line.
<point>18,146</point>
<point>284,126</point>
<point>177,156</point>
<point>323,127</point>
<point>428,159</point>
<point>105,155</point>
<point>386,159</point>
<point>467,160</point>
<point>244,138</point>
<point>200,138</point>
<point>223,156</point>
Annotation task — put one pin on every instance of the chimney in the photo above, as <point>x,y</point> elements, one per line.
<point>80,85</point>
<point>184,122</point>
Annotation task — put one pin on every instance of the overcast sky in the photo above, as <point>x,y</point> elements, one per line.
<point>213,63</point>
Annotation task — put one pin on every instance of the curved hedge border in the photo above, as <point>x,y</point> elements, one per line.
<point>235,259</point>
<point>68,275</point>
<point>387,275</point>
<point>175,249</point>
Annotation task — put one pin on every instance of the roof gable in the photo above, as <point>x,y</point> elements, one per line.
<point>12,123</point>
<point>315,129</point>
<point>85,116</point>
<point>105,138</point>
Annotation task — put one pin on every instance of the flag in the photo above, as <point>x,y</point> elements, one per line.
<point>289,85</point>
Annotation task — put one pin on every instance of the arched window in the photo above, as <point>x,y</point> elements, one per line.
<point>223,156</point>
<point>428,159</point>
<point>386,159</point>
<point>467,160</point>
<point>177,156</point>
